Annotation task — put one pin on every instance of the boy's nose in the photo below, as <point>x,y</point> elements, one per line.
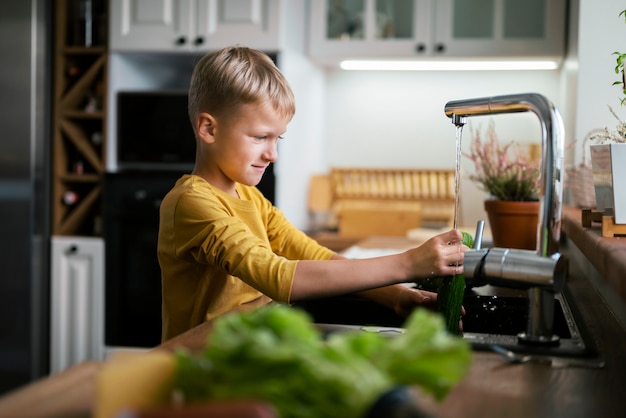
<point>271,152</point>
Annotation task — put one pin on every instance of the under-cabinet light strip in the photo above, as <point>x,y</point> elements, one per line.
<point>381,65</point>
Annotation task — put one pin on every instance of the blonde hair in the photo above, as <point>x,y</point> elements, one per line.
<point>236,75</point>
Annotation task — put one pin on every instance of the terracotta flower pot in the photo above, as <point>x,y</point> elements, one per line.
<point>513,224</point>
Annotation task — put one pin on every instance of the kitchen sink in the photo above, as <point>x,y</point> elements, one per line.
<point>497,320</point>
<point>493,316</point>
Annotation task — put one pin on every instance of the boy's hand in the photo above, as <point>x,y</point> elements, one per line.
<point>405,300</point>
<point>440,256</point>
<point>408,299</point>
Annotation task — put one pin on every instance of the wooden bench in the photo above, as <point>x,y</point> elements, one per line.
<point>361,202</point>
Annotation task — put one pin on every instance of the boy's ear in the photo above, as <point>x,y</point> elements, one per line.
<point>205,127</point>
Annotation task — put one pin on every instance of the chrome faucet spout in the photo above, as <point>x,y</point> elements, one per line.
<point>458,120</point>
<point>552,153</point>
<point>544,273</point>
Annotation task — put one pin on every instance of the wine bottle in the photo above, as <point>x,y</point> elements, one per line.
<point>70,198</point>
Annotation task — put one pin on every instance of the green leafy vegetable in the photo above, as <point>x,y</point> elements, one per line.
<point>427,355</point>
<point>277,355</point>
<point>450,294</point>
<point>467,239</point>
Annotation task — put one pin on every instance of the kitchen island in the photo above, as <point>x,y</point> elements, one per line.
<point>492,387</point>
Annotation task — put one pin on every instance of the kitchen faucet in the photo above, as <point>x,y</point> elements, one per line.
<point>543,271</point>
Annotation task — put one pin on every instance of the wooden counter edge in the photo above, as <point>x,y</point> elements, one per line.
<point>606,254</point>
<point>70,393</point>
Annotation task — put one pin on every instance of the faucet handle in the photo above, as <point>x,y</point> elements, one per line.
<point>478,236</point>
<point>473,263</point>
<point>520,269</point>
<point>524,269</point>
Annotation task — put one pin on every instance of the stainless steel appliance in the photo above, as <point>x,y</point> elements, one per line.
<point>133,277</point>
<point>25,27</point>
<point>153,131</point>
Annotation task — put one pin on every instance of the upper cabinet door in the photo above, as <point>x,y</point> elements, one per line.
<point>251,23</point>
<point>500,28</point>
<point>370,29</point>
<point>194,25</point>
<point>150,25</point>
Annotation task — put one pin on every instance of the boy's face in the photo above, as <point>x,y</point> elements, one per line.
<point>240,146</point>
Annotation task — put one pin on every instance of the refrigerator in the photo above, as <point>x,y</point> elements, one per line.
<point>25,113</point>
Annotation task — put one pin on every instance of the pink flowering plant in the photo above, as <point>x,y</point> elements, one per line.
<point>504,171</point>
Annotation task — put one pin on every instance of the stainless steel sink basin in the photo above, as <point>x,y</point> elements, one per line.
<point>492,317</point>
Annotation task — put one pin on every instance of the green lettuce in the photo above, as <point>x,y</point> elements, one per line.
<point>276,354</point>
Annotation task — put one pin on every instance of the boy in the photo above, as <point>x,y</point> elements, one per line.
<point>222,245</point>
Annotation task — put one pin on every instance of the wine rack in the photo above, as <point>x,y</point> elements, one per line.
<point>79,117</point>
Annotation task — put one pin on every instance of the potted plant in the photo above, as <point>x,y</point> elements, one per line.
<point>608,157</point>
<point>511,177</point>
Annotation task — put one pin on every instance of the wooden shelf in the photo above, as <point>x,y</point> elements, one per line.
<point>74,221</point>
<point>84,50</point>
<point>81,114</point>
<point>80,178</point>
<point>79,129</point>
<point>609,227</point>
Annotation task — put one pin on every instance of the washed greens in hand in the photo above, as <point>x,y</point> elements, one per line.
<point>450,294</point>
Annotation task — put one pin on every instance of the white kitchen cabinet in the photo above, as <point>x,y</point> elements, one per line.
<point>370,29</point>
<point>77,301</point>
<point>500,28</point>
<point>193,25</point>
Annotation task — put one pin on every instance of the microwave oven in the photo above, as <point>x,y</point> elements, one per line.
<point>153,131</point>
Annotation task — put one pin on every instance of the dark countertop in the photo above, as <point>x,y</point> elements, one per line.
<point>606,254</point>
<point>492,388</point>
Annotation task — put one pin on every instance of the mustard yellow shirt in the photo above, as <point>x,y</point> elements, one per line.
<point>218,252</point>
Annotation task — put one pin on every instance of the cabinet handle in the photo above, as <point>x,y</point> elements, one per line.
<point>440,48</point>
<point>72,249</point>
<point>199,40</point>
<point>420,47</point>
<point>181,40</point>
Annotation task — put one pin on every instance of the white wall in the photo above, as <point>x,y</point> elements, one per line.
<point>601,33</point>
<point>301,153</point>
<point>396,119</point>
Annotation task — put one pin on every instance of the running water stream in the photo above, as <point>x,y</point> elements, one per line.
<point>457,174</point>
